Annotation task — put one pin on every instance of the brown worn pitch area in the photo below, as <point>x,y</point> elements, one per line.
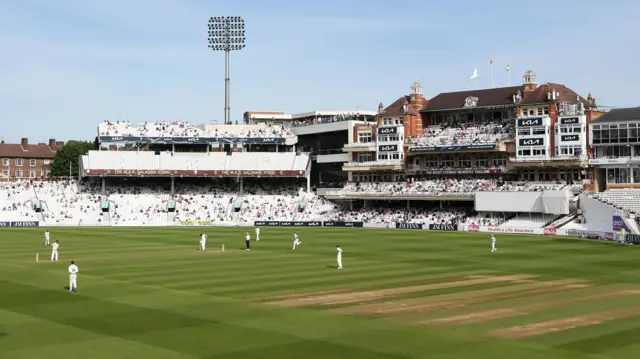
<point>558,325</point>
<point>316,299</point>
<point>460,299</point>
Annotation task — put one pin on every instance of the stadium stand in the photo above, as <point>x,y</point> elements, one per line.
<point>627,200</point>
<point>16,199</point>
<point>423,216</point>
<point>529,220</point>
<point>468,133</point>
<point>443,187</point>
<point>185,129</point>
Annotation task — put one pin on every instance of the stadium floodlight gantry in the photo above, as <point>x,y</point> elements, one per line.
<point>226,33</point>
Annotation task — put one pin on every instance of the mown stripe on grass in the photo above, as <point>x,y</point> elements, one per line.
<point>559,325</point>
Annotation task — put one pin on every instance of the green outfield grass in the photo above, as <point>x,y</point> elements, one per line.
<point>148,293</point>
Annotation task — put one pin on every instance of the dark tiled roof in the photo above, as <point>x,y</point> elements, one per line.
<point>565,94</point>
<point>31,151</point>
<point>488,97</point>
<point>395,109</point>
<point>619,115</point>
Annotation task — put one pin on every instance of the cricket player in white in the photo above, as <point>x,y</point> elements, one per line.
<point>493,243</point>
<point>73,273</point>
<point>46,238</point>
<point>296,240</point>
<point>203,241</point>
<point>257,233</point>
<point>339,258</point>
<point>247,239</point>
<point>54,251</point>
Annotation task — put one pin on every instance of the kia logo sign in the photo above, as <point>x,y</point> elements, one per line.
<point>569,120</point>
<point>116,138</point>
<point>387,130</point>
<point>531,141</point>
<point>550,231</point>
<point>530,122</point>
<point>388,148</point>
<point>569,138</point>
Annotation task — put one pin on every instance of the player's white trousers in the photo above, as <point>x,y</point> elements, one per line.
<point>46,242</point>
<point>296,243</point>
<point>339,261</point>
<point>72,282</point>
<point>257,237</point>
<point>54,255</point>
<point>203,246</point>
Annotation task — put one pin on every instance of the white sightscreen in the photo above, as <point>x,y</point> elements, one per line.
<point>534,202</point>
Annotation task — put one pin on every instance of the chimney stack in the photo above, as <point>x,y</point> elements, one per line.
<point>52,143</point>
<point>24,142</point>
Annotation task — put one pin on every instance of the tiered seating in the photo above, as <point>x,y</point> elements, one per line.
<point>247,131</point>
<point>426,217</point>
<point>67,203</point>
<point>271,202</point>
<point>466,133</point>
<point>624,199</point>
<point>443,187</point>
<point>186,129</point>
<point>533,220</point>
<point>214,203</point>
<point>138,205</point>
<point>16,201</point>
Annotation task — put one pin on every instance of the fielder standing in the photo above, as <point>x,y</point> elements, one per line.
<point>493,244</point>
<point>257,233</point>
<point>54,251</point>
<point>339,258</point>
<point>73,273</point>
<point>203,241</point>
<point>46,238</point>
<point>247,239</point>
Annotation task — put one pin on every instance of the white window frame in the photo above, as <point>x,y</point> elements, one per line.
<point>19,162</point>
<point>5,162</point>
<point>32,162</point>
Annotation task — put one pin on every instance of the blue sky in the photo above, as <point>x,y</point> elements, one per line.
<point>66,65</point>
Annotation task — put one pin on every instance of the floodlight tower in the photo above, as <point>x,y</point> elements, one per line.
<point>226,33</point>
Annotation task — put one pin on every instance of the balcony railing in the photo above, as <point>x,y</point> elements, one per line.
<point>360,145</point>
<point>456,170</point>
<point>375,163</point>
<point>549,158</point>
<point>614,160</point>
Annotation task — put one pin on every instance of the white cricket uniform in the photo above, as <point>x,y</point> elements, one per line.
<point>73,273</point>
<point>46,238</point>
<point>54,251</point>
<point>296,241</point>
<point>493,244</point>
<point>339,258</point>
<point>247,239</point>
<point>257,234</point>
<point>203,242</point>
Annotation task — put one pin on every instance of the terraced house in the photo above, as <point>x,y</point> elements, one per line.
<point>24,160</point>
